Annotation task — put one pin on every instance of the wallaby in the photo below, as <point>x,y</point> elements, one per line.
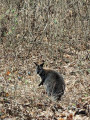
<point>53,81</point>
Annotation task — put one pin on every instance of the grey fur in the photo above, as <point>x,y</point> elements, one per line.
<point>52,80</point>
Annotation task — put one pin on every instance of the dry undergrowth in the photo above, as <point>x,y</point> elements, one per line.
<point>54,31</point>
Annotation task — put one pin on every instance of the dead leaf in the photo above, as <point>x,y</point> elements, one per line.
<point>8,73</point>
<point>4,94</point>
<point>45,39</point>
<point>63,115</point>
<point>3,117</point>
<point>7,94</point>
<point>60,119</point>
<point>70,117</point>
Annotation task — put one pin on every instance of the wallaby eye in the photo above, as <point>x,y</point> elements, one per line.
<point>40,68</point>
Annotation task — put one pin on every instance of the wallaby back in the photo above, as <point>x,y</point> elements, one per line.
<point>52,80</point>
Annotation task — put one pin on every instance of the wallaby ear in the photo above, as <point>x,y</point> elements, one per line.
<point>42,64</point>
<point>35,63</point>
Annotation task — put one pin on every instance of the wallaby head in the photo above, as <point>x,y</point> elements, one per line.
<point>39,68</point>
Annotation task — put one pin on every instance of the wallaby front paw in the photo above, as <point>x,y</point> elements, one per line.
<point>40,84</point>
